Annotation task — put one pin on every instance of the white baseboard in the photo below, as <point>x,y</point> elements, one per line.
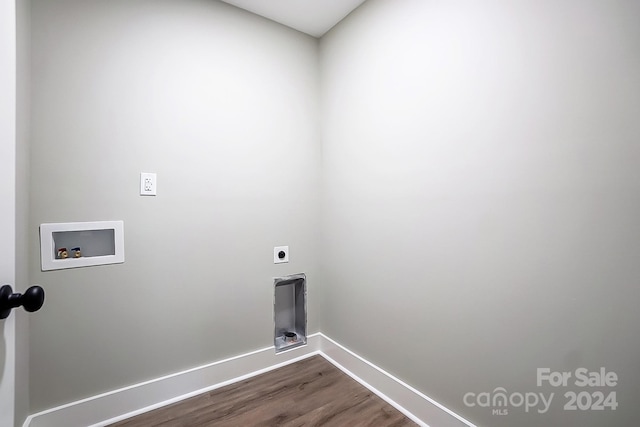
<point>107,408</point>
<point>418,407</point>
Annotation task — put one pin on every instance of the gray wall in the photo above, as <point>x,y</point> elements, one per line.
<point>222,105</point>
<point>480,190</point>
<point>482,196</point>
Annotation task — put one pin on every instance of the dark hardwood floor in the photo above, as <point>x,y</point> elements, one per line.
<point>311,392</point>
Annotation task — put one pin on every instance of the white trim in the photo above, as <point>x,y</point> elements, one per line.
<point>414,404</point>
<point>8,115</point>
<point>117,405</point>
<point>126,402</point>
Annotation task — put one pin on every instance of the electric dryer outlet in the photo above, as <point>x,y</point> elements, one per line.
<point>280,254</point>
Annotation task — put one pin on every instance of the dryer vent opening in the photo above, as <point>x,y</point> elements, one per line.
<point>290,312</point>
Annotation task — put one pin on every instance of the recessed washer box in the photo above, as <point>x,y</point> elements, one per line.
<point>81,244</point>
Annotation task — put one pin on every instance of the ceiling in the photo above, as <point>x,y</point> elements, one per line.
<point>314,17</point>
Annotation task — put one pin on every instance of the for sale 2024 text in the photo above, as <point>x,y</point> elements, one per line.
<point>582,377</point>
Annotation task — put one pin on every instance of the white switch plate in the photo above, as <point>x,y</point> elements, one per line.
<point>276,254</point>
<point>148,184</point>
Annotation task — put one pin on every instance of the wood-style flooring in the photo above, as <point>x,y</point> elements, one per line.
<point>311,392</point>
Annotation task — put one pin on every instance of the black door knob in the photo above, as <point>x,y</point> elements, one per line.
<point>31,300</point>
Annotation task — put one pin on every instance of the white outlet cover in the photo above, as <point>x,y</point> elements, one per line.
<point>276,254</point>
<point>148,184</point>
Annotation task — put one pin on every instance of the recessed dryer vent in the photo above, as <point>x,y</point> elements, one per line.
<point>290,312</point>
